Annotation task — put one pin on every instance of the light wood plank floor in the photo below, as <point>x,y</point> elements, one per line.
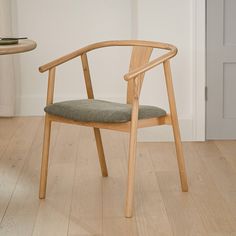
<point>82,203</point>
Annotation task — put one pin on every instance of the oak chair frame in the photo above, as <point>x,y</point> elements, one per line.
<point>139,65</point>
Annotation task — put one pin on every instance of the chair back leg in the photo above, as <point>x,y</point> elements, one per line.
<point>175,126</point>
<point>89,88</point>
<point>100,152</point>
<point>44,165</point>
<point>180,156</point>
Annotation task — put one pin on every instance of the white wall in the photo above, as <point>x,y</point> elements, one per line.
<point>169,21</point>
<point>60,27</point>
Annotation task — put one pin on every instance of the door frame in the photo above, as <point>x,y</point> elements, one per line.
<point>199,69</point>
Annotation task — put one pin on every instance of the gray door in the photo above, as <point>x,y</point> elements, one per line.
<point>221,69</point>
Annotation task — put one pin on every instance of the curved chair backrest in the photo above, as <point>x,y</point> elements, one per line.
<point>139,60</point>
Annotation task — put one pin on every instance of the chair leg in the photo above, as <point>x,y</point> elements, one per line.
<point>44,164</point>
<point>131,174</point>
<point>101,155</point>
<point>175,125</point>
<point>131,164</point>
<point>180,156</point>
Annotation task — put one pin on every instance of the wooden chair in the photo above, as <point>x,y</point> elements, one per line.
<point>138,66</point>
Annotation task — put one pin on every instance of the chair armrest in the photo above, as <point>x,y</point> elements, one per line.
<point>61,60</point>
<point>90,47</point>
<point>134,73</point>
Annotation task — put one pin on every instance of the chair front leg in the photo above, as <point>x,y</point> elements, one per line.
<point>44,165</point>
<point>131,161</point>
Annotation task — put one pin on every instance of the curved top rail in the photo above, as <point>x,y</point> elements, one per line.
<point>103,44</point>
<point>24,45</point>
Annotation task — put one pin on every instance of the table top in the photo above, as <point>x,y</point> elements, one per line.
<point>24,45</point>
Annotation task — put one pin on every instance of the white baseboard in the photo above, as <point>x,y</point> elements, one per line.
<point>33,106</point>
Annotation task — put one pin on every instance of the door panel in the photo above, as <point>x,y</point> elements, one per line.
<point>221,69</point>
<point>229,92</point>
<point>229,22</point>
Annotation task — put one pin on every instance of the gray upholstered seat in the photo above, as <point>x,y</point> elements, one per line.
<point>90,110</point>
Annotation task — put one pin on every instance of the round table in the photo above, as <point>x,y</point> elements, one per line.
<point>23,45</point>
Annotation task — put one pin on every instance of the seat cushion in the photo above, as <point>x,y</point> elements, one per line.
<point>90,110</point>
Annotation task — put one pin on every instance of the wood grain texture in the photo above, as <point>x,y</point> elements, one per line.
<point>175,125</point>
<point>87,78</point>
<point>123,127</point>
<point>23,46</point>
<point>14,158</point>
<point>24,205</point>
<point>8,128</point>
<point>79,52</point>
<point>132,159</point>
<point>86,217</point>
<point>47,135</point>
<point>55,211</point>
<point>80,202</point>
<point>139,57</point>
<point>45,158</point>
<point>51,82</point>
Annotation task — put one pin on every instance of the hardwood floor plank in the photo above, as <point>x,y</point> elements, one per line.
<point>80,202</point>
<point>207,196</point>
<point>151,215</point>
<point>8,128</point>
<point>153,225</point>
<point>114,187</point>
<point>145,178</point>
<point>24,204</point>
<point>13,160</point>
<point>163,156</point>
<point>86,207</point>
<point>220,155</point>
<point>180,207</point>
<point>53,213</point>
<point>217,165</point>
<point>228,149</point>
<point>119,227</point>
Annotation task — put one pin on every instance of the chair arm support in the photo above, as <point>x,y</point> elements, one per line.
<point>134,73</point>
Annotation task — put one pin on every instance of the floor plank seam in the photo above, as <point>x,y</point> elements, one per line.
<point>73,187</point>
<point>20,173</point>
<point>12,136</point>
